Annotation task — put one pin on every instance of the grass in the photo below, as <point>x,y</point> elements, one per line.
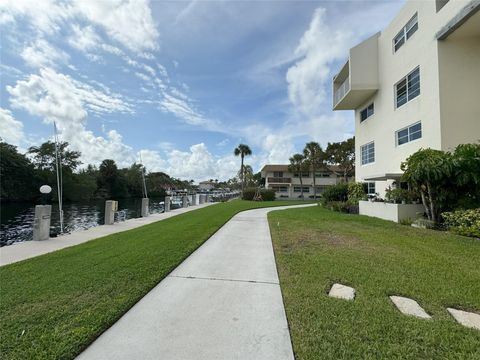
<point>53,306</point>
<point>315,247</point>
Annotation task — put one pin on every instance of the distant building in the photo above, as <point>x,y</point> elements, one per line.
<point>414,85</point>
<point>287,184</point>
<point>206,185</point>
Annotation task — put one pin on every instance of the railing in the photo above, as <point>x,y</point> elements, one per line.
<point>342,90</point>
<point>279,180</point>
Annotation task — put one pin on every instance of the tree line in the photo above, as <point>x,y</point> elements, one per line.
<point>23,174</point>
<point>314,158</point>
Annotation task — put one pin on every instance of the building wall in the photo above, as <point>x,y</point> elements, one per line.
<point>455,61</point>
<point>459,66</point>
<point>295,182</point>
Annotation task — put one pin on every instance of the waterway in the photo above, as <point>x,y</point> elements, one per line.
<point>16,219</point>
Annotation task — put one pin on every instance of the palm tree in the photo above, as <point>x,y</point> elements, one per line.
<point>298,164</point>
<point>315,156</point>
<point>242,150</point>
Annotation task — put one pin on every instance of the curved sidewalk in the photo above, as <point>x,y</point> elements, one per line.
<point>29,249</point>
<point>223,302</point>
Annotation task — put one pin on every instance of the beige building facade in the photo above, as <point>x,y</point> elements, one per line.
<point>287,184</point>
<point>414,85</point>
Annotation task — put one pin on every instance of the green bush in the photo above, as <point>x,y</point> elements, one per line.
<point>267,195</point>
<point>463,222</point>
<point>337,192</point>
<point>400,195</point>
<point>356,192</point>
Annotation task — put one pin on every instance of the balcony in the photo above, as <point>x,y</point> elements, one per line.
<point>357,81</point>
<point>279,180</point>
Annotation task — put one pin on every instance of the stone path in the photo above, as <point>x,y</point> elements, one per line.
<point>409,307</point>
<point>466,318</point>
<point>28,249</point>
<point>222,302</point>
<point>342,292</point>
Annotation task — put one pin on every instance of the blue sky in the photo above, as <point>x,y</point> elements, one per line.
<point>179,83</point>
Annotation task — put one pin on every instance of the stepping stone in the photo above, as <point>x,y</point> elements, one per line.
<point>409,307</point>
<point>342,292</point>
<point>466,318</point>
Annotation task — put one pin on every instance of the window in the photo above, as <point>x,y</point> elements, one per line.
<point>413,132</point>
<point>322,174</point>
<point>408,88</point>
<point>367,153</point>
<point>371,188</point>
<point>366,113</point>
<point>406,33</point>
<point>304,174</point>
<point>298,189</point>
<point>278,174</point>
<point>321,188</point>
<point>279,188</point>
<point>440,4</point>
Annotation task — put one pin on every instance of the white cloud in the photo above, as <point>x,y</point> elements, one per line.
<point>129,22</point>
<point>199,164</point>
<point>58,97</point>
<point>318,49</point>
<point>41,53</point>
<point>84,39</point>
<point>11,130</point>
<point>182,110</point>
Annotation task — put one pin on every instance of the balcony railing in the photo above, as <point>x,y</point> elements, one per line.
<point>279,180</point>
<point>342,90</point>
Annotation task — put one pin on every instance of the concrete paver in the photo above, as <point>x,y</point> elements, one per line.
<point>342,292</point>
<point>466,318</point>
<point>28,249</point>
<point>409,307</point>
<point>223,302</point>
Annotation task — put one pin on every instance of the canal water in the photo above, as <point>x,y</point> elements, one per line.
<point>16,219</point>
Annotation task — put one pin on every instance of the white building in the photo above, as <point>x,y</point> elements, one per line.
<point>287,184</point>
<point>206,185</point>
<point>414,85</point>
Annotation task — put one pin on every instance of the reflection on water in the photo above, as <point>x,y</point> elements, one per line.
<point>17,218</point>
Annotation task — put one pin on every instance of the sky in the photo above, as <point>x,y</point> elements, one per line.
<point>179,84</point>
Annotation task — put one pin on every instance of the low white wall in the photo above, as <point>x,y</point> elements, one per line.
<point>388,211</point>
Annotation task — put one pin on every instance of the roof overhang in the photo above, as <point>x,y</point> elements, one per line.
<point>461,18</point>
<point>383,177</point>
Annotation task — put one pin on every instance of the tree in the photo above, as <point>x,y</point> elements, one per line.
<point>315,157</point>
<point>111,183</point>
<point>428,171</point>
<point>342,154</point>
<point>248,175</point>
<point>43,156</point>
<point>298,164</point>
<point>18,178</point>
<point>242,150</point>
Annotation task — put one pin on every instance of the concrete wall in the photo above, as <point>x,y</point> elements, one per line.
<point>388,211</point>
<point>456,88</point>
<point>459,68</point>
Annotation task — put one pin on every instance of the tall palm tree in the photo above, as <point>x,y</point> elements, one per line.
<point>315,155</point>
<point>298,164</point>
<point>242,150</point>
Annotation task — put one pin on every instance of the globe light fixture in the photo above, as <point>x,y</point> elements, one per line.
<point>45,189</point>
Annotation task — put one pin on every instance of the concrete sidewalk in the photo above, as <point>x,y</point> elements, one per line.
<point>223,302</point>
<point>28,249</point>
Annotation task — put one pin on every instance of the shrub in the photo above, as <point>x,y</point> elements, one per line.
<point>356,192</point>
<point>267,195</point>
<point>337,192</point>
<point>400,195</point>
<point>463,222</point>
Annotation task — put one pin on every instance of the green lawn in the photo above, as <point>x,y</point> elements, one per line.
<point>55,305</point>
<point>315,248</point>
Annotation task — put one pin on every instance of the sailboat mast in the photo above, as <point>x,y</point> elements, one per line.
<point>143,178</point>
<point>58,165</point>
